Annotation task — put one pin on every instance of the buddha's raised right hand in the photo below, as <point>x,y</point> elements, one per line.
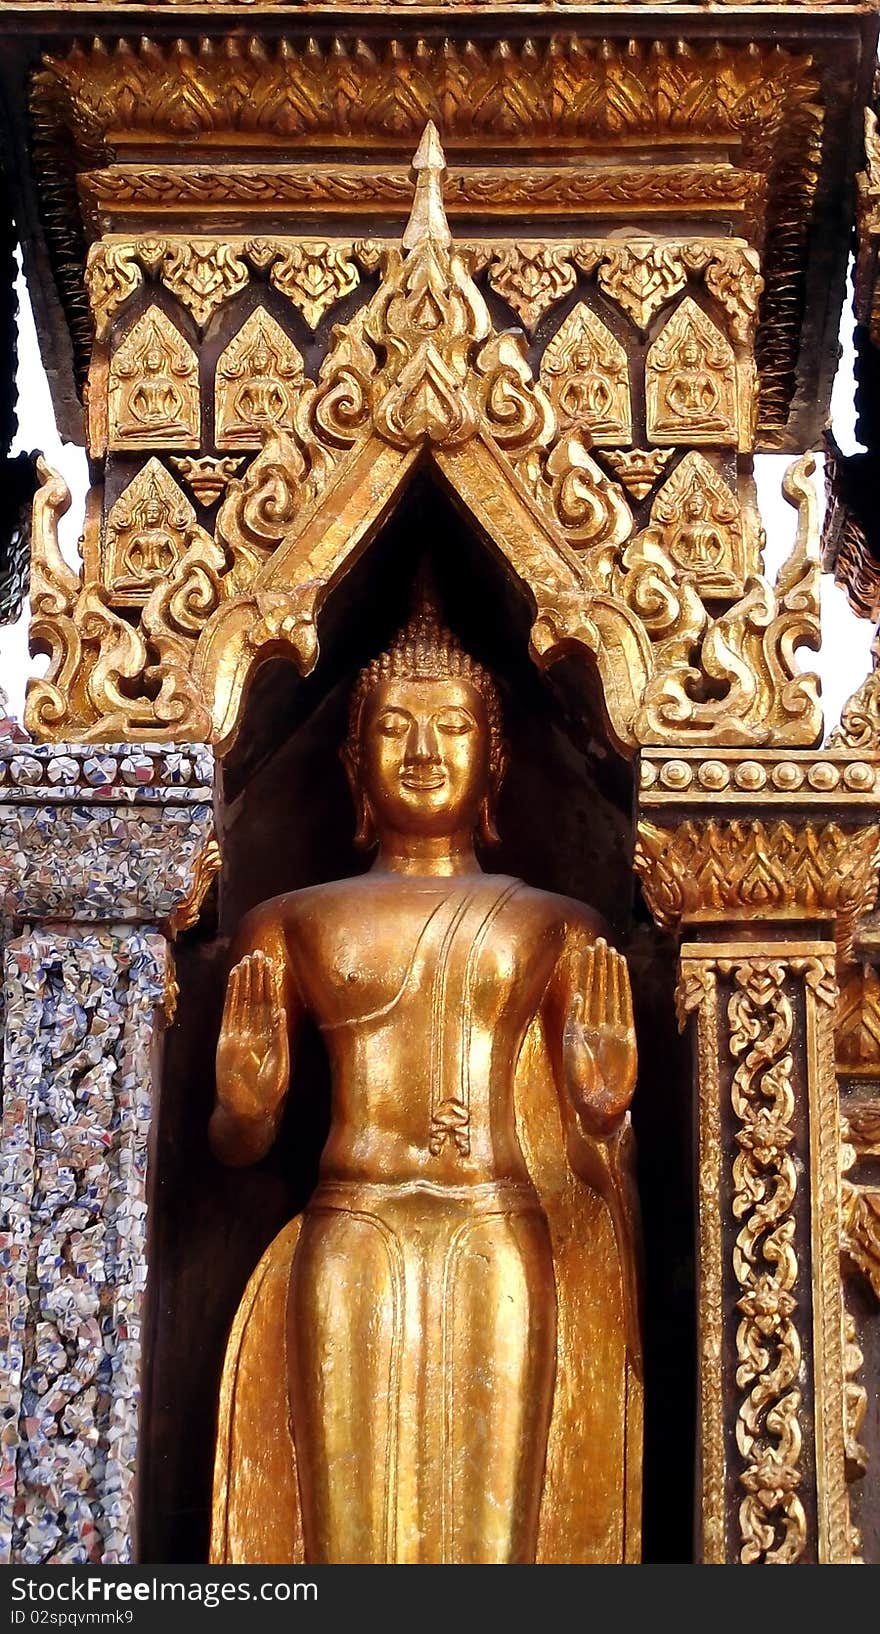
<point>253,1055</point>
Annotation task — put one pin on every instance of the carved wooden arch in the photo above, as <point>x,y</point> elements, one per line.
<point>281,612</point>
<point>452,393</point>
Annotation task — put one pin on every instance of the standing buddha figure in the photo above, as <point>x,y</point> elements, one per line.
<point>421,1328</point>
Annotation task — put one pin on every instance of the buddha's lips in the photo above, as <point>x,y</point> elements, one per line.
<point>422,780</point>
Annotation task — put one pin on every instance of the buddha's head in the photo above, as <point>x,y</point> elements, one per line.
<point>425,753</point>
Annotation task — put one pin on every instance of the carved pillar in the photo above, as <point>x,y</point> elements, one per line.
<point>103,856</point>
<point>765,904</point>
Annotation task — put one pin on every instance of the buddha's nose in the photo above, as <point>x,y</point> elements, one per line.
<point>422,742</point>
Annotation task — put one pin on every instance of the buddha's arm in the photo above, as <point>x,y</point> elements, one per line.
<point>260,1019</point>
<point>588,1022</point>
<point>589,1025</point>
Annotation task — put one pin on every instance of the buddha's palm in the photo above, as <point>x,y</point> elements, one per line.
<point>600,1033</point>
<point>253,1059</point>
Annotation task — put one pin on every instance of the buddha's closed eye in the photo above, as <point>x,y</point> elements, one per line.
<point>454,722</point>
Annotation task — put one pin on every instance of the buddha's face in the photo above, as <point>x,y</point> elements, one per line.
<point>424,760</point>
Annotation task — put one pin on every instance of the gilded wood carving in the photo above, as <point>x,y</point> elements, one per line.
<point>697,520</point>
<point>258,381</point>
<point>154,388</point>
<point>420,370</point>
<point>690,382</point>
<point>765,1045</point>
<point>765,105</point>
<point>147,532</point>
<point>585,372</point>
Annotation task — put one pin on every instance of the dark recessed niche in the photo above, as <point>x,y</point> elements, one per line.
<point>286,821</point>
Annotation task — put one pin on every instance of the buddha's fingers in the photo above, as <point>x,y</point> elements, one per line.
<point>581,1004</point>
<point>600,983</point>
<point>265,1000</point>
<point>232,1006</point>
<point>262,993</point>
<point>618,1015</point>
<point>274,992</point>
<point>246,996</point>
<point>627,1007</point>
<point>610,1017</point>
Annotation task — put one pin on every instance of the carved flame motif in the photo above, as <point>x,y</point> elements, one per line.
<point>112,275</point>
<point>857,1027</point>
<point>750,869</point>
<point>532,278</point>
<point>154,387</point>
<point>146,529</point>
<point>257,384</point>
<point>641,277</point>
<point>690,382</point>
<point>429,316</point>
<point>586,375</point>
<point>202,275</point>
<point>314,276</point>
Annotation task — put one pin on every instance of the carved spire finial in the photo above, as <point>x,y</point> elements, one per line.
<point>428,217</point>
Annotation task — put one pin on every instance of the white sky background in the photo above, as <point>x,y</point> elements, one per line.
<point>842,663</point>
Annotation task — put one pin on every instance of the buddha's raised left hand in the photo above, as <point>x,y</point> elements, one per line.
<point>600,1039</point>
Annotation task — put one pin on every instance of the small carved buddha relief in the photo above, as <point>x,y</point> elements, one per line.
<point>690,382</point>
<point>146,534</point>
<point>699,523</point>
<point>585,372</point>
<point>153,391</point>
<point>257,384</point>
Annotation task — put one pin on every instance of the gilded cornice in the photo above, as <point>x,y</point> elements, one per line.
<point>737,781</point>
<point>601,101</point>
<point>196,195</point>
<point>714,870</point>
<point>560,91</point>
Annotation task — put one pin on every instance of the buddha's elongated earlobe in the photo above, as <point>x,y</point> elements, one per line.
<point>365,836</point>
<point>487,833</point>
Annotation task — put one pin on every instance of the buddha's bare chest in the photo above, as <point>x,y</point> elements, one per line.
<point>416,953</point>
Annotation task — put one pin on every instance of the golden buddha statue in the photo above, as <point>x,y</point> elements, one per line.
<point>438,1361</point>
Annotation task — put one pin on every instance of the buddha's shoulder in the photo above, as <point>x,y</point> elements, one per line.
<point>567,913</point>
<point>292,906</point>
<point>362,894</point>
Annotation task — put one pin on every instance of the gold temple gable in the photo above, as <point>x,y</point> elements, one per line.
<point>420,374</point>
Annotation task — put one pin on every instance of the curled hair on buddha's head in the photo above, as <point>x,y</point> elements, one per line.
<point>425,649</point>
